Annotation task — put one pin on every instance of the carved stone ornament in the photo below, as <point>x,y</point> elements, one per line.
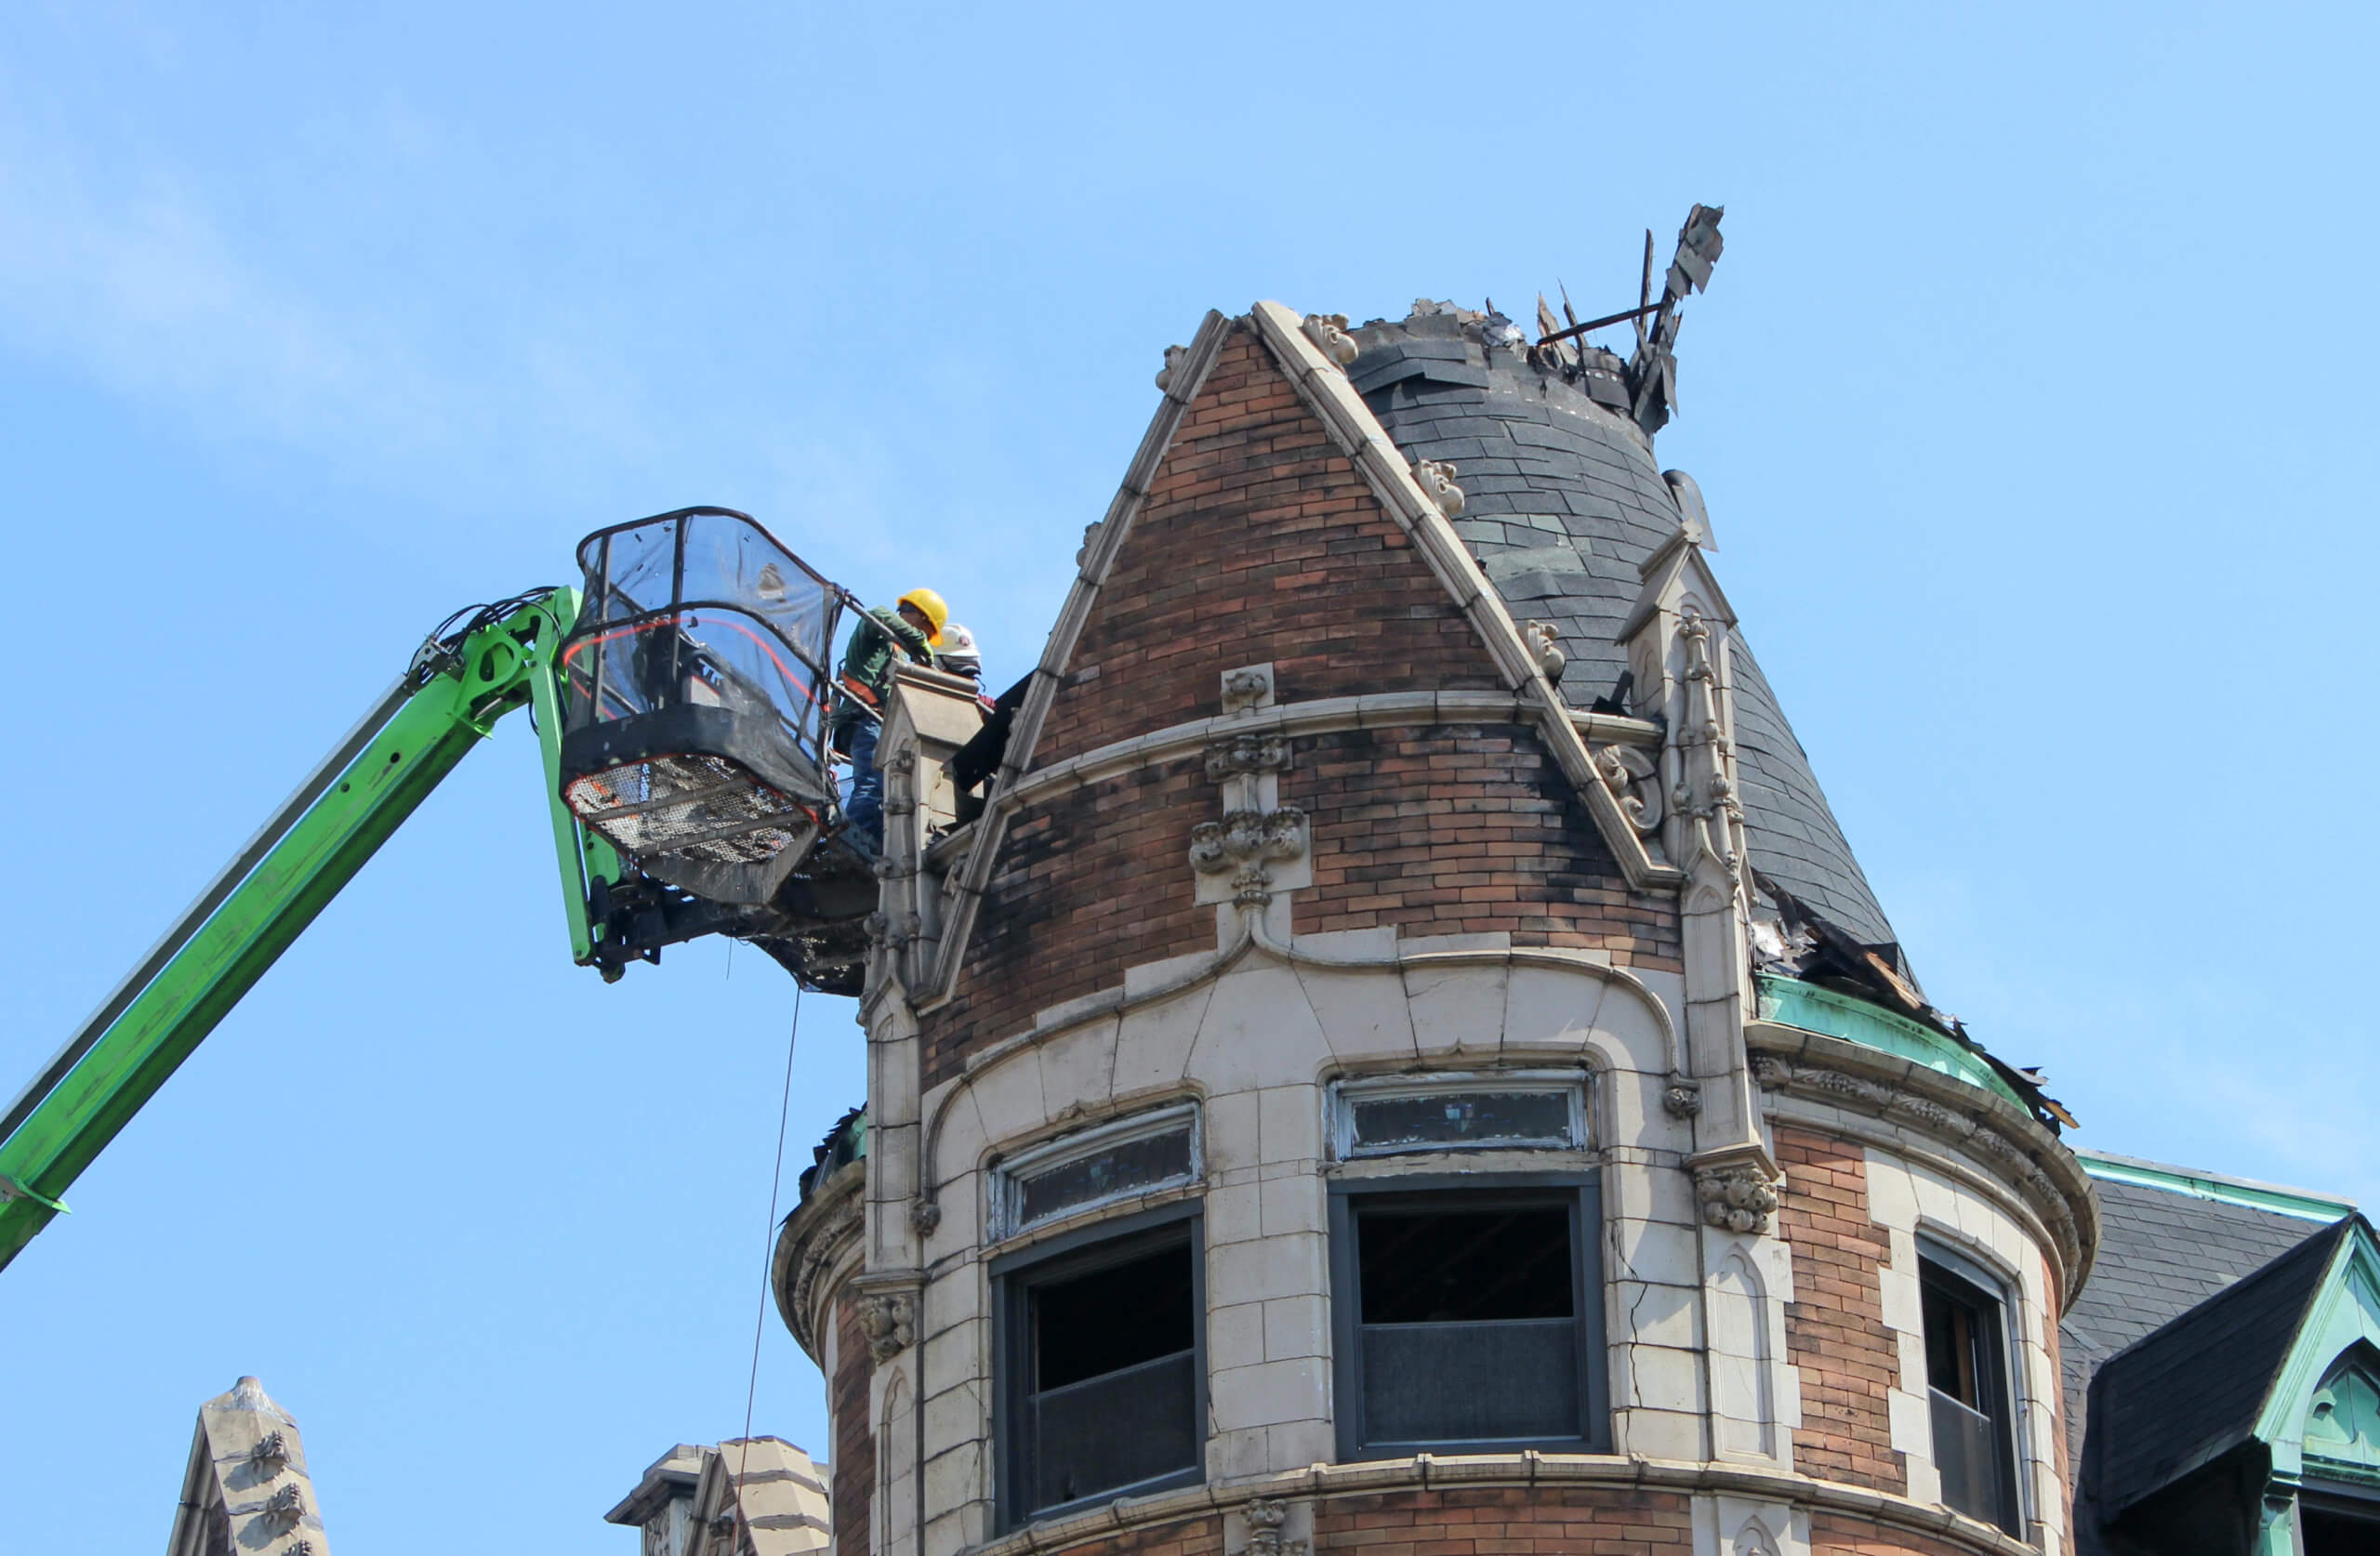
<point>269,1456</point>
<point>286,1507</point>
<point>1328,333</point>
<point>898,932</point>
<point>1265,1517</point>
<point>1090,535</point>
<point>925,1215</point>
<point>1438,484</point>
<point>1175,355</point>
<point>1682,1099</point>
<point>1734,1198</point>
<point>1771,1072</point>
<point>1545,646</point>
<point>1248,686</point>
<point>1635,780</point>
<point>1244,843</point>
<point>887,1319</point>
<point>1235,754</point>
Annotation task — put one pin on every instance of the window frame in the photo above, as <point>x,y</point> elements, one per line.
<point>1081,1251</point>
<point>1582,1191</point>
<point>1342,1095</point>
<point>1965,1280</point>
<point>1008,1176</point>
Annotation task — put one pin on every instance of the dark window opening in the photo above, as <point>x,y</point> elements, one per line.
<point>1102,1372</point>
<point>1466,1319</point>
<point>1966,1375</point>
<point>2339,1525</point>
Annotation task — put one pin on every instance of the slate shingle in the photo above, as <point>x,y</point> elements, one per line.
<point>1525,444</point>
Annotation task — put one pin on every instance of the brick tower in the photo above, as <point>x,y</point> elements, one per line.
<point>1399,1057</point>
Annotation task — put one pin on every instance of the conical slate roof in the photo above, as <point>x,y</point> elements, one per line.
<point>1563,502</point>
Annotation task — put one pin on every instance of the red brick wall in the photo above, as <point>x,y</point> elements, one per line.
<point>1835,1331</point>
<point>1259,541</point>
<point>855,1468</point>
<point>1464,829</point>
<point>1509,1521</point>
<point>1089,883</point>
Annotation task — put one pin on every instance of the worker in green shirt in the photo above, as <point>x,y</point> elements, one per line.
<point>865,681</point>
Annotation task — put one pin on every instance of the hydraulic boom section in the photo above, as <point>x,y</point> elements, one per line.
<point>459,685</point>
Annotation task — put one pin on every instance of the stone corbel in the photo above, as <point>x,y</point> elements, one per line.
<point>1241,858</point>
<point>1275,1528</point>
<point>1737,1189</point>
<point>888,1319</point>
<point>1635,780</point>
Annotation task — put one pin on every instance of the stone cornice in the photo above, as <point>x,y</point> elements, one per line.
<point>1789,1062</point>
<point>1553,1471</point>
<point>821,1238</point>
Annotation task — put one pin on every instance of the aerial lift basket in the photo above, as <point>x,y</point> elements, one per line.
<point>694,702</point>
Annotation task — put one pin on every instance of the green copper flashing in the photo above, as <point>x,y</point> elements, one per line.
<point>2215,1186</point>
<point>1795,1003</point>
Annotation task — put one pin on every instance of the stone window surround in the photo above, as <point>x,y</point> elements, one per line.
<point>1003,1272</point>
<point>1342,1091</point>
<point>1585,1191</point>
<point>1004,1177</point>
<point>1960,1256</point>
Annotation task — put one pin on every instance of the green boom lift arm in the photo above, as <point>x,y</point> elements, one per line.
<point>501,658</point>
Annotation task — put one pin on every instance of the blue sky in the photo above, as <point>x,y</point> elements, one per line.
<point>2027,402</point>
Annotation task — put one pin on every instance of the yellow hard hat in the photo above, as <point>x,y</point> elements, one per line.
<point>930,605</point>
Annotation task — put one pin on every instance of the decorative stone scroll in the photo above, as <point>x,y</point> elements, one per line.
<point>1328,333</point>
<point>1245,845</point>
<point>1635,780</point>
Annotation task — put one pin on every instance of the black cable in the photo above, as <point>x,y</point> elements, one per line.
<point>760,1318</point>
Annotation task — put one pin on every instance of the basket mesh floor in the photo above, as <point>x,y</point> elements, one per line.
<point>702,808</point>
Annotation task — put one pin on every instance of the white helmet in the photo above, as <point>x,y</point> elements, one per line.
<point>955,652</point>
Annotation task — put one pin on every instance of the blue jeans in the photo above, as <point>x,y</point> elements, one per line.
<point>866,805</point>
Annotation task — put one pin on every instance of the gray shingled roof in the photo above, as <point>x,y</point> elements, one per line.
<point>2161,1255</point>
<point>1563,501</point>
<point>2191,1391</point>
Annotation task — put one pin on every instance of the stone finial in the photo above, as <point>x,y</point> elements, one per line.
<point>1436,478</point>
<point>1174,356</point>
<point>1328,333</point>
